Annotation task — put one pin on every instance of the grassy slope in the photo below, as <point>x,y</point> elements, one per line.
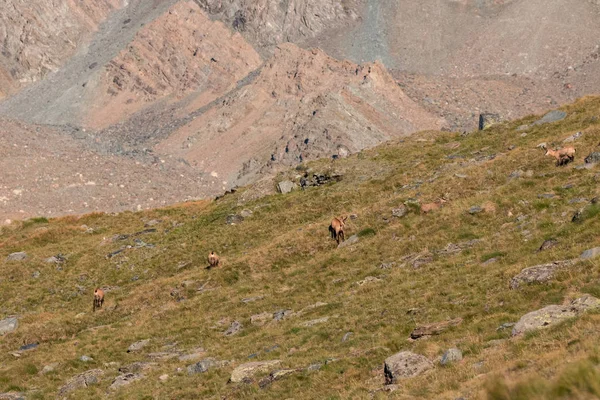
<point>283,252</point>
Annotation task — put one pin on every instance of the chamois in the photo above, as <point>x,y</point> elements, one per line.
<point>98,298</point>
<point>563,156</point>
<point>336,228</point>
<point>213,260</point>
<point>427,208</point>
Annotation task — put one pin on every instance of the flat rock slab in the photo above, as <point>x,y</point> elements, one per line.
<point>235,327</point>
<point>554,314</point>
<point>12,396</point>
<point>245,372</point>
<point>591,253</point>
<point>124,380</point>
<point>286,187</point>
<point>349,242</point>
<point>451,356</point>
<point>8,325</point>
<point>405,365</point>
<point>434,329</point>
<point>552,116</point>
<point>204,365</point>
<point>83,380</point>
<point>538,273</point>
<point>20,256</point>
<point>137,346</point>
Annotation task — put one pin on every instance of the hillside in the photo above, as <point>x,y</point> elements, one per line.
<point>322,320</point>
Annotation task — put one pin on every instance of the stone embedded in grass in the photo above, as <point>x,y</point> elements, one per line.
<point>538,273</point>
<point>80,381</point>
<point>136,367</point>
<point>552,116</point>
<point>347,336</point>
<point>548,244</point>
<point>204,365</point>
<point>368,280</point>
<point>554,314</point>
<point>12,396</point>
<point>261,319</point>
<point>245,372</point>
<point>286,187</point>
<point>475,210</point>
<point>234,219</point>
<point>124,380</point>
<point>137,346</point>
<point>400,212</point>
<point>275,375</point>
<point>20,256</point>
<point>591,253</point>
<point>8,325</point>
<point>349,242</point>
<point>49,368</point>
<point>29,346</point>
<point>314,367</point>
<point>233,329</point>
<point>194,355</point>
<point>405,365</point>
<point>282,314</point>
<point>86,358</point>
<point>451,356</point>
<point>434,329</point>
<point>315,322</point>
<point>593,158</point>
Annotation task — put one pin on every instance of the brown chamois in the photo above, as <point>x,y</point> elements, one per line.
<point>336,228</point>
<point>436,205</point>
<point>213,260</point>
<point>563,156</point>
<point>98,298</point>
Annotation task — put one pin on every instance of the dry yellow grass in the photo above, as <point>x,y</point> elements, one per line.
<point>283,255</point>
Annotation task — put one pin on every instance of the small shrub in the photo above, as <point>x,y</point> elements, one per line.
<point>367,232</point>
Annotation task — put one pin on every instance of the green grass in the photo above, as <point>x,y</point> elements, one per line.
<point>283,256</point>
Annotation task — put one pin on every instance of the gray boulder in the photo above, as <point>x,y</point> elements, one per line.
<point>400,211</point>
<point>538,273</point>
<point>349,242</point>
<point>234,219</point>
<point>405,365</point>
<point>282,314</point>
<point>137,346</point>
<point>487,120</point>
<point>12,396</point>
<point>8,325</point>
<point>204,365</point>
<point>83,380</point>
<point>552,116</point>
<point>593,158</point>
<point>235,327</point>
<point>286,187</point>
<point>245,372</point>
<point>591,253</point>
<point>20,256</point>
<point>124,380</point>
<point>451,356</point>
<point>554,314</point>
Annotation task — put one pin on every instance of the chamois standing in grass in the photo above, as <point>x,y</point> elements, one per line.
<point>213,260</point>
<point>563,156</point>
<point>336,228</point>
<point>98,298</point>
<point>436,205</point>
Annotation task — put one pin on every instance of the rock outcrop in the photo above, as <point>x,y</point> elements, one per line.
<point>405,365</point>
<point>245,372</point>
<point>554,314</point>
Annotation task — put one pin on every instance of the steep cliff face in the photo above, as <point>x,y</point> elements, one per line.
<point>179,53</point>
<point>304,105</point>
<point>38,36</point>
<point>266,23</point>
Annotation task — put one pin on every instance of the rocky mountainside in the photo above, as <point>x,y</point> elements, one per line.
<point>38,37</point>
<point>231,90</point>
<point>494,295</point>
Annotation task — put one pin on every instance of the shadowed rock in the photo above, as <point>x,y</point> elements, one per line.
<point>205,365</point>
<point>124,380</point>
<point>405,365</point>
